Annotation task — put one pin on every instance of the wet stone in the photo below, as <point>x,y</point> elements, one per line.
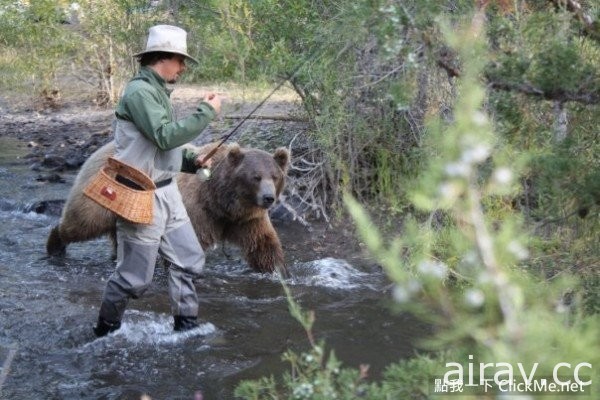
<point>53,161</point>
<point>52,178</point>
<point>46,207</point>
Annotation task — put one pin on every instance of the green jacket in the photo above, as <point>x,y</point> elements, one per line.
<point>146,103</point>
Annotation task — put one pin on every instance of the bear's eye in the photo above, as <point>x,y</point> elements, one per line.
<point>257,178</point>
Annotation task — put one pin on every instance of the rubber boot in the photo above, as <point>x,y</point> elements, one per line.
<point>104,327</point>
<point>183,323</point>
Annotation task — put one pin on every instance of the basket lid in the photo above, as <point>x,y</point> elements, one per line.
<point>131,173</point>
<point>131,204</point>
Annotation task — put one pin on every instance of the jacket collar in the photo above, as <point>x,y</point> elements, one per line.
<point>152,77</point>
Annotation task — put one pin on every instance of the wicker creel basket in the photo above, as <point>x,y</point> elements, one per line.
<point>129,203</point>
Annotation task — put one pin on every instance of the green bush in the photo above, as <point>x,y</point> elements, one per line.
<point>468,275</point>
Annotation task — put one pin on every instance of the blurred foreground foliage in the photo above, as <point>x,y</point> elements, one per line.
<point>467,129</point>
<point>474,259</point>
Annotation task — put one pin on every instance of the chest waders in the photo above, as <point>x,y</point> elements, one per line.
<point>170,234</point>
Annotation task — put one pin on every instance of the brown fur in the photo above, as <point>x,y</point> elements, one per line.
<point>231,206</point>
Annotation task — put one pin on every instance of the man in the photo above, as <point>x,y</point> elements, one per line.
<point>148,138</point>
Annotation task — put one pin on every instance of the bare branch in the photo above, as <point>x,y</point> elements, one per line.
<point>584,97</point>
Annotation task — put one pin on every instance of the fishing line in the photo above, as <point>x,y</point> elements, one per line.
<point>239,124</point>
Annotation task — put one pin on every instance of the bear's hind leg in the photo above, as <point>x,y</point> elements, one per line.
<point>55,245</point>
<point>112,235</point>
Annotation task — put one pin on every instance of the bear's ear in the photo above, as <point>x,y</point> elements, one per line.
<point>235,155</point>
<point>282,158</point>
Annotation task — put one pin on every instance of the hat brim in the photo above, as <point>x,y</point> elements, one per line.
<point>166,50</point>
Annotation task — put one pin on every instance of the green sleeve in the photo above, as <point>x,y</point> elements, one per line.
<point>153,119</point>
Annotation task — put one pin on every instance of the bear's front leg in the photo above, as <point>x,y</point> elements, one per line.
<point>266,255</point>
<point>261,246</point>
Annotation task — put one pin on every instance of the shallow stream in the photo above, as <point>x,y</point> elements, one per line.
<point>48,306</point>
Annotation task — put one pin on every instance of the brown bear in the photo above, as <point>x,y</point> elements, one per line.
<point>230,206</point>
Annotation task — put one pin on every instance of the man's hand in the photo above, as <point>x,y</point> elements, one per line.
<point>214,99</point>
<point>199,160</point>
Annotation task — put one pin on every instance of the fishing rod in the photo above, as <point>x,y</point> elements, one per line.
<point>235,128</point>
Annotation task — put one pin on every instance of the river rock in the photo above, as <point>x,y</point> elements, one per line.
<point>46,207</point>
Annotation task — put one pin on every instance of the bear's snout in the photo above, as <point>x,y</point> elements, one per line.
<point>266,194</point>
<point>267,200</point>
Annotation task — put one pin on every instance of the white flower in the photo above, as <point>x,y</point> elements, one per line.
<point>458,169</point>
<point>561,308</point>
<point>518,250</point>
<point>479,118</point>
<point>476,154</point>
<point>503,176</point>
<point>403,292</point>
<point>449,191</point>
<point>474,298</point>
<point>435,269</point>
<point>471,258</point>
<point>303,391</point>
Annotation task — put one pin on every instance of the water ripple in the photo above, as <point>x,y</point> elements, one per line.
<point>147,328</point>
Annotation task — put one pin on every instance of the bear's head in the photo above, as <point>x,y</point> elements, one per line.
<point>258,176</point>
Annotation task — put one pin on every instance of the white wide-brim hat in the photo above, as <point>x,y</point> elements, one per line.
<point>167,38</point>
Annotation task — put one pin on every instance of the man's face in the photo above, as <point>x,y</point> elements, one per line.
<point>172,68</point>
